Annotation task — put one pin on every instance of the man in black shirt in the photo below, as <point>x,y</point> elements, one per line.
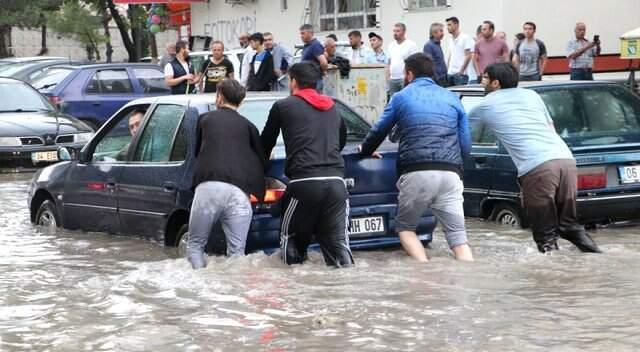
<point>261,73</point>
<point>217,68</point>
<point>230,166</point>
<point>316,201</point>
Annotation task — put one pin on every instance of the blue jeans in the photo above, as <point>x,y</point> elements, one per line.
<point>534,77</point>
<point>581,74</point>
<point>458,80</point>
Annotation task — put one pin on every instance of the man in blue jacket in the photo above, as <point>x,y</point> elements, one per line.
<point>434,139</point>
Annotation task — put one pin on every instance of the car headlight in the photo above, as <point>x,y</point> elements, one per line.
<point>82,137</point>
<point>10,142</point>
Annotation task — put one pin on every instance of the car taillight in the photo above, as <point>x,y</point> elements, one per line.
<point>592,178</point>
<point>275,191</point>
<point>55,100</point>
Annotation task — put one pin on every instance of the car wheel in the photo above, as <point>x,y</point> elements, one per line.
<point>506,214</point>
<point>47,215</point>
<point>182,239</point>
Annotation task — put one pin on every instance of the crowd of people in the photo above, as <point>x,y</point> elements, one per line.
<point>427,120</point>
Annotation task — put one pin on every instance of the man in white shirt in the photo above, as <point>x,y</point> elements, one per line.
<point>460,61</point>
<point>400,49</point>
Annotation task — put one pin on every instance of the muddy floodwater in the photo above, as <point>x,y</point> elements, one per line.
<point>75,291</point>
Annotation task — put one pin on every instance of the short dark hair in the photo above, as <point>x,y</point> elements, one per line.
<point>503,72</point>
<point>181,44</point>
<point>356,33</point>
<point>232,91</point>
<point>530,24</point>
<point>420,65</point>
<point>257,37</point>
<point>306,27</point>
<point>520,36</point>
<point>138,111</point>
<point>332,36</point>
<point>453,19</point>
<point>306,74</point>
<point>479,29</point>
<point>491,25</point>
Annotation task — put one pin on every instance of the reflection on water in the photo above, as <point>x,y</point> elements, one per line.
<point>72,291</point>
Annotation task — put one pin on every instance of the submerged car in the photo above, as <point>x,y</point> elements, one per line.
<point>141,184</point>
<point>599,121</point>
<point>31,129</point>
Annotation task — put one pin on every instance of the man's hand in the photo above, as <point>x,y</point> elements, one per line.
<point>189,77</point>
<point>375,154</point>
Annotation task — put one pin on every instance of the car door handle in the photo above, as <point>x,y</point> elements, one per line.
<point>480,159</point>
<point>111,185</point>
<point>350,182</point>
<point>96,103</point>
<point>169,186</point>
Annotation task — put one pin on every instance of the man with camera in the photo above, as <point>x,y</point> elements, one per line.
<point>580,52</point>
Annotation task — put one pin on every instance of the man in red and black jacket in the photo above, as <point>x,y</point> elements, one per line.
<point>316,202</point>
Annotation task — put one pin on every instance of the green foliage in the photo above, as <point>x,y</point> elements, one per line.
<point>23,13</point>
<point>76,20</point>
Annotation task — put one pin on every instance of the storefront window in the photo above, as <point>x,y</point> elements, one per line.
<point>428,4</point>
<point>347,14</point>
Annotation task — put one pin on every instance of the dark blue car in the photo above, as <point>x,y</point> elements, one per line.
<point>142,185</point>
<point>599,121</point>
<point>92,93</point>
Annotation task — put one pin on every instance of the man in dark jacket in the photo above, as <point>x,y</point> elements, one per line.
<point>230,166</point>
<point>261,74</point>
<point>316,201</point>
<point>179,73</point>
<point>434,138</point>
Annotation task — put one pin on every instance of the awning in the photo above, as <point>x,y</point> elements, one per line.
<point>630,45</point>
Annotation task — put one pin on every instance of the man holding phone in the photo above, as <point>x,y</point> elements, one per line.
<point>580,52</point>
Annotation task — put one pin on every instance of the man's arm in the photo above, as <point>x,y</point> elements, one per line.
<point>505,52</point>
<point>464,133</point>
<point>343,134</point>
<point>573,53</point>
<point>271,130</point>
<point>380,130</point>
<point>476,62</point>
<point>256,145</point>
<point>324,64</point>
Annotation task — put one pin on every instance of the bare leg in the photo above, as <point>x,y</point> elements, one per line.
<point>463,253</point>
<point>413,246</point>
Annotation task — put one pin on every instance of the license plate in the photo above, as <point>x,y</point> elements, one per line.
<point>374,224</point>
<point>44,156</point>
<point>629,174</point>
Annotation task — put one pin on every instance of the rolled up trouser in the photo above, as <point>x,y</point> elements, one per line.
<point>213,202</point>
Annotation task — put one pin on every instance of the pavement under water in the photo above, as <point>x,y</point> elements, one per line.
<point>76,291</point>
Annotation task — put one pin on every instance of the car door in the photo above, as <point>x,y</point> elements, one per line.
<point>106,91</point>
<point>150,81</point>
<point>90,198</point>
<point>148,185</point>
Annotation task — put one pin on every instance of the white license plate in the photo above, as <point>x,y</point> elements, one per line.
<point>629,174</point>
<point>44,156</point>
<point>372,224</point>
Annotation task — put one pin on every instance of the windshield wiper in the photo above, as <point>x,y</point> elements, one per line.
<point>47,86</point>
<point>25,110</point>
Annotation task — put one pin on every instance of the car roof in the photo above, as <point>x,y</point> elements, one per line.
<point>478,88</point>
<point>10,80</point>
<point>208,98</point>
<point>111,65</point>
<point>32,58</point>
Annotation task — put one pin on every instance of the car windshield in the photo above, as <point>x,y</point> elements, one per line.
<point>594,115</point>
<point>49,78</point>
<point>19,97</point>
<point>11,69</point>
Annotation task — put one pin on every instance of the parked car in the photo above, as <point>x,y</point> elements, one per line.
<point>92,93</point>
<point>148,192</point>
<point>32,70</point>
<point>31,129</point>
<point>13,60</point>
<point>599,121</point>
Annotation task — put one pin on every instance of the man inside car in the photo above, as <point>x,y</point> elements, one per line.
<point>135,120</point>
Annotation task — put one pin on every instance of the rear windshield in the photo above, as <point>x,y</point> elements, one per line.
<point>596,115</point>
<point>49,78</point>
<point>257,112</point>
<point>19,97</point>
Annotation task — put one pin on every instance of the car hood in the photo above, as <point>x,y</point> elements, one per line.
<point>19,124</point>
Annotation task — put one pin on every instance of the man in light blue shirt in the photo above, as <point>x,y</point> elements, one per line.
<point>546,168</point>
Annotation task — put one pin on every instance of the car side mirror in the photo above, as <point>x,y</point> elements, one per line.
<point>64,154</point>
<point>82,156</point>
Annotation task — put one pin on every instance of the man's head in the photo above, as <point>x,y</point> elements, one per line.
<point>355,39</point>
<point>182,49</point>
<point>499,76</point>
<point>256,40</point>
<point>580,30</point>
<point>243,39</point>
<point>303,75</point>
<point>479,32</point>
<point>171,49</point>
<point>399,31</point>
<point>375,41</point>
<point>217,49</point>
<point>501,35</point>
<point>453,25</point>
<point>529,30</point>
<point>332,36</point>
<point>230,93</point>
<point>488,29</point>
<point>135,119</point>
<point>416,66</point>
<point>330,47</point>
<point>268,40</point>
<point>436,32</point>
<point>306,33</point>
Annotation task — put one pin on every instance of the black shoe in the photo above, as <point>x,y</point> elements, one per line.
<point>547,246</point>
<point>582,240</point>
<point>547,241</point>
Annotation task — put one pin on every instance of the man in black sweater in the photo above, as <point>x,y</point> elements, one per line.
<point>230,166</point>
<point>316,202</point>
<point>261,74</point>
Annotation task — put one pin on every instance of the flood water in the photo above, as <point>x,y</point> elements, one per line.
<point>74,291</point>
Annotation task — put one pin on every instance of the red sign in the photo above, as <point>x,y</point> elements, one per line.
<point>156,1</point>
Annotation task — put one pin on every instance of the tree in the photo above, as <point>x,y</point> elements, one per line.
<point>24,14</point>
<point>76,20</point>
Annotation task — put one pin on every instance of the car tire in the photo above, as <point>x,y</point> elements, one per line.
<point>182,238</point>
<point>47,215</point>
<point>507,214</point>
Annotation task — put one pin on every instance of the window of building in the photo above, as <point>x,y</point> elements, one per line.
<point>283,5</point>
<point>428,4</point>
<point>347,14</point>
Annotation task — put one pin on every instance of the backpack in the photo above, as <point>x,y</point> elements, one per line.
<point>541,47</point>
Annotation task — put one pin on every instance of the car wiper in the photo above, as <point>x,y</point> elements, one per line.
<point>47,86</point>
<point>25,110</point>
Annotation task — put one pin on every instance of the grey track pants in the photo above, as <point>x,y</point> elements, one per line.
<point>213,202</point>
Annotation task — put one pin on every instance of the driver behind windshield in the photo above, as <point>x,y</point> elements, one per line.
<point>135,119</point>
